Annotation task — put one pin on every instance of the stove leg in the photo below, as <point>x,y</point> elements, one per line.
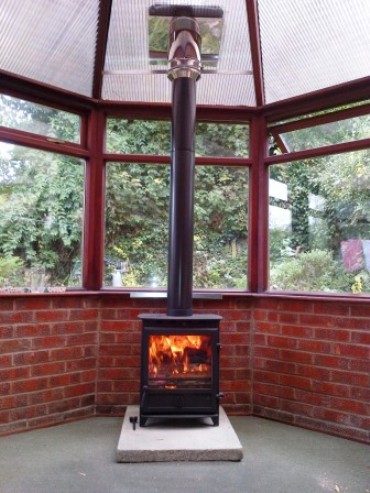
<point>215,421</point>
<point>142,421</point>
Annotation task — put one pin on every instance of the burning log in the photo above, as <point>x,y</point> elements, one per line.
<point>179,356</point>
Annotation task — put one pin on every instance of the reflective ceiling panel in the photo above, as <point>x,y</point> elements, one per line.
<point>128,71</point>
<point>309,45</point>
<point>51,41</point>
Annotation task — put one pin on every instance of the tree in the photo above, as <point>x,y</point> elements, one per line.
<point>41,223</point>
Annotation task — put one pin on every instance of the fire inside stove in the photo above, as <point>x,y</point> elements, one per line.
<point>179,361</point>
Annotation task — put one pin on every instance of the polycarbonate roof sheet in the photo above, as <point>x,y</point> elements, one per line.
<point>308,45</point>
<point>128,75</point>
<point>51,41</point>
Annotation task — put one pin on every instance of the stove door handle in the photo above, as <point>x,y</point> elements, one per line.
<point>143,396</point>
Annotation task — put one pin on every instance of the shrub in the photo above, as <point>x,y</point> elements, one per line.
<point>11,271</point>
<point>311,271</point>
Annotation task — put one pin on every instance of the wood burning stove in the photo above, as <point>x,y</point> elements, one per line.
<point>180,351</point>
<point>180,367</point>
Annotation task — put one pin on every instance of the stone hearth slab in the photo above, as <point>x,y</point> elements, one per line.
<point>178,440</point>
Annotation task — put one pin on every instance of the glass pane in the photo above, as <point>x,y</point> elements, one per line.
<point>35,118</point>
<point>320,224</point>
<point>178,361</point>
<point>41,199</point>
<point>318,113</point>
<point>154,137</point>
<point>136,239</point>
<point>137,219</point>
<point>138,136</point>
<point>221,227</point>
<point>329,133</point>
<point>221,139</point>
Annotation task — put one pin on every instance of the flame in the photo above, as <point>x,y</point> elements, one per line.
<point>179,355</point>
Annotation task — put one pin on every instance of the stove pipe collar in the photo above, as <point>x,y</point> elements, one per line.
<point>184,53</point>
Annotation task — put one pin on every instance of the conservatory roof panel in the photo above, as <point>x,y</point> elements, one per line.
<point>52,42</point>
<point>269,50</point>
<point>312,44</point>
<point>129,75</point>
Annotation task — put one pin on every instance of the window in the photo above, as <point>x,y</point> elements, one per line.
<point>41,199</point>
<point>347,130</point>
<point>222,139</point>
<point>136,243</point>
<point>221,227</point>
<point>136,237</point>
<point>138,136</point>
<point>319,224</point>
<point>154,137</point>
<point>137,206</point>
<point>42,120</point>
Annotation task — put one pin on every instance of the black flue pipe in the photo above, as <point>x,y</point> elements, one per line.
<point>181,228</point>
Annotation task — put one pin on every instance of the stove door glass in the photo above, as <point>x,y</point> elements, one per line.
<point>177,361</point>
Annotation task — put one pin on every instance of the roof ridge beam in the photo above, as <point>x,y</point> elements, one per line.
<point>255,43</point>
<point>105,7</point>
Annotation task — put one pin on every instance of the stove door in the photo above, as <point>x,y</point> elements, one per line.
<point>179,373</point>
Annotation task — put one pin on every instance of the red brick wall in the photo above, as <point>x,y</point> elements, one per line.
<point>311,363</point>
<point>67,356</point>
<point>48,349</point>
<point>235,360</point>
<point>119,355</point>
